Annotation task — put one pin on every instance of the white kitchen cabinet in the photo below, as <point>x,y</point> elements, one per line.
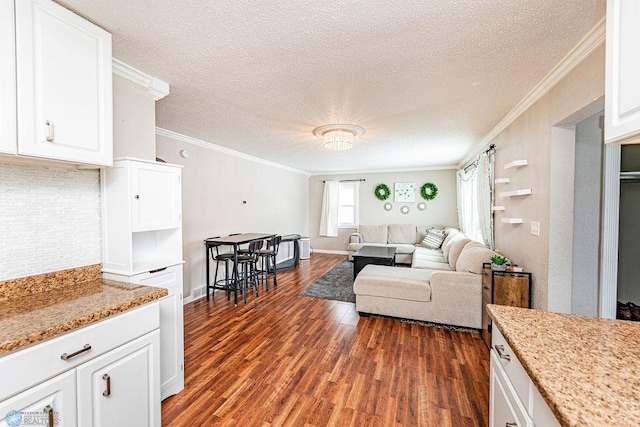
<point>142,244</point>
<point>63,86</point>
<point>622,87</point>
<point>51,403</point>
<point>514,399</point>
<point>8,135</point>
<point>120,388</point>
<point>171,324</point>
<point>141,216</point>
<point>124,346</point>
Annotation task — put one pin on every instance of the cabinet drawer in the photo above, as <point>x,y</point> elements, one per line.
<point>511,365</point>
<point>505,406</point>
<point>32,365</point>
<point>162,278</point>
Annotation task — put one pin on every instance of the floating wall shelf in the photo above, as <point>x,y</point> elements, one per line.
<point>516,164</point>
<point>502,180</point>
<point>498,208</point>
<point>522,192</point>
<point>512,220</point>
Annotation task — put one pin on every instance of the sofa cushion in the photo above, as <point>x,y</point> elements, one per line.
<point>452,236</point>
<point>433,239</point>
<point>402,249</point>
<point>353,247</point>
<point>402,233</point>
<point>394,282</point>
<point>472,257</point>
<point>373,233</point>
<point>421,232</point>
<point>454,251</point>
<point>428,264</point>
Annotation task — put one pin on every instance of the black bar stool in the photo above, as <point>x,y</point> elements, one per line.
<point>248,268</point>
<point>225,258</point>
<point>268,258</point>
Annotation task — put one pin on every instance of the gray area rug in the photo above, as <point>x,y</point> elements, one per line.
<point>336,285</point>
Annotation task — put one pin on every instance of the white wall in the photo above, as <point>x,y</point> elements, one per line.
<point>214,184</point>
<point>440,211</point>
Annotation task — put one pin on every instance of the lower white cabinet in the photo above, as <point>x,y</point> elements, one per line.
<point>105,374</point>
<point>119,388</point>
<point>171,324</point>
<point>51,403</point>
<point>513,398</point>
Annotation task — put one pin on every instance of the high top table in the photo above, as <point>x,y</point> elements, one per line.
<point>235,241</point>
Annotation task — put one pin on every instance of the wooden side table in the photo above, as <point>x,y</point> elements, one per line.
<point>503,288</point>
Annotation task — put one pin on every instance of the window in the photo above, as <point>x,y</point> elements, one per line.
<point>468,209</point>
<point>348,198</point>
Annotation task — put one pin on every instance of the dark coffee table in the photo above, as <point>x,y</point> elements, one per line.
<point>379,255</point>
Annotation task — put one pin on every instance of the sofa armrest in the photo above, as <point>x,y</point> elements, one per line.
<point>356,238</point>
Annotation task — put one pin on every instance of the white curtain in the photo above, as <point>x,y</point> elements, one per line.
<point>484,200</point>
<point>466,200</point>
<point>330,205</point>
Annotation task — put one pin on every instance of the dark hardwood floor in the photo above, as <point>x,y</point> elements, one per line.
<point>289,360</point>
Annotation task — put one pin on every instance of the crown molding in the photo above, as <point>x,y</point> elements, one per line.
<point>585,47</point>
<point>156,87</point>
<point>398,170</point>
<point>211,146</point>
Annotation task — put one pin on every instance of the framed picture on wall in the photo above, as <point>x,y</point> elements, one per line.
<point>404,191</point>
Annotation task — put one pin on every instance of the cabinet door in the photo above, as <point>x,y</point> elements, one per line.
<point>51,403</point>
<point>8,136</point>
<point>622,92</point>
<point>171,327</point>
<point>64,87</point>
<point>156,196</point>
<point>503,407</point>
<point>122,387</point>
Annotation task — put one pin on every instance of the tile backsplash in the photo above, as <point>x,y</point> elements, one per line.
<point>49,219</point>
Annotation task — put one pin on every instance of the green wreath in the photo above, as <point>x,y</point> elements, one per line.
<point>429,191</point>
<point>382,192</point>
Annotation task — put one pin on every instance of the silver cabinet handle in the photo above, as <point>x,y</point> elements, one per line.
<point>65,356</point>
<point>500,350</point>
<point>50,136</point>
<point>49,411</point>
<point>107,392</point>
<point>511,425</point>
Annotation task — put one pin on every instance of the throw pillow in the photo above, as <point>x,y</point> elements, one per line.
<point>472,257</point>
<point>433,239</point>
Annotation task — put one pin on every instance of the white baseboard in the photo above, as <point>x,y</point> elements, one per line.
<point>329,251</point>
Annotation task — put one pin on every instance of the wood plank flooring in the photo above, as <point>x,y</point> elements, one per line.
<point>289,360</point>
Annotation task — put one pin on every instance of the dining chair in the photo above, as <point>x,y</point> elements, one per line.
<point>268,260</point>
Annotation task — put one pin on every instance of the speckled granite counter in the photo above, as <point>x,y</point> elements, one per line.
<point>586,368</point>
<point>36,308</point>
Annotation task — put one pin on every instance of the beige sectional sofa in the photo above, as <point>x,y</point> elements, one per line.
<point>443,286</point>
<point>403,237</point>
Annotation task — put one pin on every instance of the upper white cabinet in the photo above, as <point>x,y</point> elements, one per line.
<point>141,216</point>
<point>56,84</point>
<point>622,92</point>
<point>7,79</point>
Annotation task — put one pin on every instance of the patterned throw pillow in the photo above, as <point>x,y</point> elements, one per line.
<point>433,239</point>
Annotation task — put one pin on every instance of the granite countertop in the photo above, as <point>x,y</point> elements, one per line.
<point>586,368</point>
<point>37,308</point>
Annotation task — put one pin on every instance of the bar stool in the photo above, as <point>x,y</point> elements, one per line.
<point>225,258</point>
<point>268,258</point>
<point>248,268</point>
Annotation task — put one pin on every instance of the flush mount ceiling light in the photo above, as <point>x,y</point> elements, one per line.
<point>338,137</point>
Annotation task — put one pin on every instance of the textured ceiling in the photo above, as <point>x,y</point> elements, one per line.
<point>426,79</point>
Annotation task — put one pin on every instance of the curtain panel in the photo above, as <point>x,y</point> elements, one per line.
<point>330,206</point>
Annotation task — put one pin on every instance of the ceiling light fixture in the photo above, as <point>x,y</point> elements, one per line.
<point>338,137</point>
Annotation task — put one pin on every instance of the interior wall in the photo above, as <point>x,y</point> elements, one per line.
<point>134,120</point>
<point>629,241</point>
<point>440,211</point>
<point>529,137</point>
<point>589,147</point>
<point>214,184</point>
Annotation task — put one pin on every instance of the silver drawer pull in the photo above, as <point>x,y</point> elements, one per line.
<point>65,356</point>
<point>500,350</point>
<point>511,425</point>
<point>50,135</point>
<point>107,392</point>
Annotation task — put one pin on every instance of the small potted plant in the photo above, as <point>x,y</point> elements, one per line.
<point>499,263</point>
